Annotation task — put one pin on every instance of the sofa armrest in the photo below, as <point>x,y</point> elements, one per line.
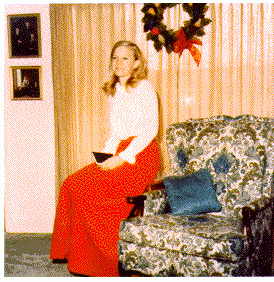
<point>255,215</point>
<point>157,185</point>
<point>155,203</point>
<point>254,209</point>
<point>260,205</point>
<point>151,192</point>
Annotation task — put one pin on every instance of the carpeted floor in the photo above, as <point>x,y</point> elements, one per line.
<point>27,255</point>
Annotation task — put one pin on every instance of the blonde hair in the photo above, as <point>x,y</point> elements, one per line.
<point>138,74</point>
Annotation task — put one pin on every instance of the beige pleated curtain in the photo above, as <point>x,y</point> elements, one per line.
<point>235,75</point>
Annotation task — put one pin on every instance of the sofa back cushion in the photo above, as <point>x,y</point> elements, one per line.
<point>236,151</point>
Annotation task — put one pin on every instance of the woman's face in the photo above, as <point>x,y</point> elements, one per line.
<point>123,61</point>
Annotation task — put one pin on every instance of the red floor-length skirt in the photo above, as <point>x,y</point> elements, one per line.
<point>92,203</point>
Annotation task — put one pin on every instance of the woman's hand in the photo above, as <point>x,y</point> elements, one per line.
<point>111,163</point>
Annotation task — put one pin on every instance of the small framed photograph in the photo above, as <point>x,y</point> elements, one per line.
<point>24,36</point>
<point>26,83</point>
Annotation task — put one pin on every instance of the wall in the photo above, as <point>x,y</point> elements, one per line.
<point>29,140</point>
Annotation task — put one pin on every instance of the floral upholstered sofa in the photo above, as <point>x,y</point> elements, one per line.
<point>236,241</point>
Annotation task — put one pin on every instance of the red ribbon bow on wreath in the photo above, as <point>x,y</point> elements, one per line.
<point>182,43</point>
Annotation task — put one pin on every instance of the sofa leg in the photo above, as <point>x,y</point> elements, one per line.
<point>124,273</point>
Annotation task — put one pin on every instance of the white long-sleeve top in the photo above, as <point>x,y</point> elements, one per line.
<point>133,113</point>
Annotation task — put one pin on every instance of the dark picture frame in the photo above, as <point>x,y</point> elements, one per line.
<point>26,82</point>
<point>24,35</point>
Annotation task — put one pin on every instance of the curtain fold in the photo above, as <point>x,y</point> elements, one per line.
<point>235,75</point>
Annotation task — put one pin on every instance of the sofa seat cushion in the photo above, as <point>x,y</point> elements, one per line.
<point>167,263</point>
<point>208,235</point>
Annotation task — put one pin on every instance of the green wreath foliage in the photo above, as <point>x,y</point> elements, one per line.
<point>158,32</point>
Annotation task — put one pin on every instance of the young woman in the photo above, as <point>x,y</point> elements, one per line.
<point>92,201</point>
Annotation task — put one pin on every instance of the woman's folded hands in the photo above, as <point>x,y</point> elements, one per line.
<point>111,163</point>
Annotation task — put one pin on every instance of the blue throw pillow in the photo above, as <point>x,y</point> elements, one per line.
<point>192,194</point>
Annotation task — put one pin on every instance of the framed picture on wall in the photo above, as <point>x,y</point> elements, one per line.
<point>26,83</point>
<point>24,36</point>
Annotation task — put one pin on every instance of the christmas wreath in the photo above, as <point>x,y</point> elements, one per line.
<point>185,37</point>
